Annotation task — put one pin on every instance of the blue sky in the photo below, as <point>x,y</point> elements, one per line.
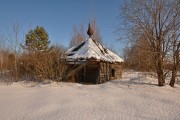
<point>59,16</point>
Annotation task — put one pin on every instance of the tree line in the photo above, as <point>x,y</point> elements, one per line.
<point>35,59</point>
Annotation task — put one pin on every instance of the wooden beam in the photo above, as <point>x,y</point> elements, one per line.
<point>106,73</point>
<point>84,76</point>
<point>75,70</point>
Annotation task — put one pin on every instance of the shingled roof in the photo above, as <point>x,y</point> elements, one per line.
<point>90,49</point>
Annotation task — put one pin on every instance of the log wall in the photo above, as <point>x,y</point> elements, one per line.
<point>96,72</point>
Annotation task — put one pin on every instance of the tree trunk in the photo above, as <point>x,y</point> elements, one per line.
<point>161,79</point>
<point>174,72</point>
<point>175,66</point>
<point>172,82</point>
<point>160,73</point>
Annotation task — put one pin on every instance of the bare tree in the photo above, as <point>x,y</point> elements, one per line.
<point>79,34</point>
<point>153,20</point>
<point>4,52</point>
<point>1,54</point>
<point>96,36</point>
<point>16,30</point>
<point>137,57</point>
<point>13,40</point>
<point>175,52</point>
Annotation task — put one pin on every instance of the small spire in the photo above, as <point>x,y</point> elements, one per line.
<point>90,31</point>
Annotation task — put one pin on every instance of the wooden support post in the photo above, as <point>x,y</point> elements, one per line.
<point>84,75</point>
<point>98,74</point>
<point>106,73</point>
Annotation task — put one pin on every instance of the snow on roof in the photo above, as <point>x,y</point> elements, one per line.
<point>90,49</point>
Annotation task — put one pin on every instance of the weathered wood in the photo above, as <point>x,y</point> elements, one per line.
<point>75,70</point>
<point>106,73</point>
<point>84,73</point>
<point>94,72</point>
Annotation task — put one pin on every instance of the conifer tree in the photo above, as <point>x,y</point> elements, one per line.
<point>37,40</point>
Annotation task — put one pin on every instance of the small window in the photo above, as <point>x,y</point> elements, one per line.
<point>112,73</point>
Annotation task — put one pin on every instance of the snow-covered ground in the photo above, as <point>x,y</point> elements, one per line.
<point>135,97</point>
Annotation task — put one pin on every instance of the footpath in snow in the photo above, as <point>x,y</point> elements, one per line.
<point>135,97</point>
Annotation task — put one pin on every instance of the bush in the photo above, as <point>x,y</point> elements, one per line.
<point>38,66</point>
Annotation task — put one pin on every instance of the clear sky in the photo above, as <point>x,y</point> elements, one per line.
<point>59,16</point>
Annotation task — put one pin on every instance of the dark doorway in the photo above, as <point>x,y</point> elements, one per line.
<point>112,73</point>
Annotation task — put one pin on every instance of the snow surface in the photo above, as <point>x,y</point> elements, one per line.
<point>135,97</point>
<point>92,49</point>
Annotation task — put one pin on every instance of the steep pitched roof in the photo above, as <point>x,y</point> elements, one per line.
<point>90,49</point>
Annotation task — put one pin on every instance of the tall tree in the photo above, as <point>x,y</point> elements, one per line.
<point>79,34</point>
<point>13,41</point>
<point>175,53</point>
<point>16,30</point>
<point>153,20</point>
<point>96,36</point>
<point>37,40</point>
<point>1,54</point>
<point>137,57</point>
